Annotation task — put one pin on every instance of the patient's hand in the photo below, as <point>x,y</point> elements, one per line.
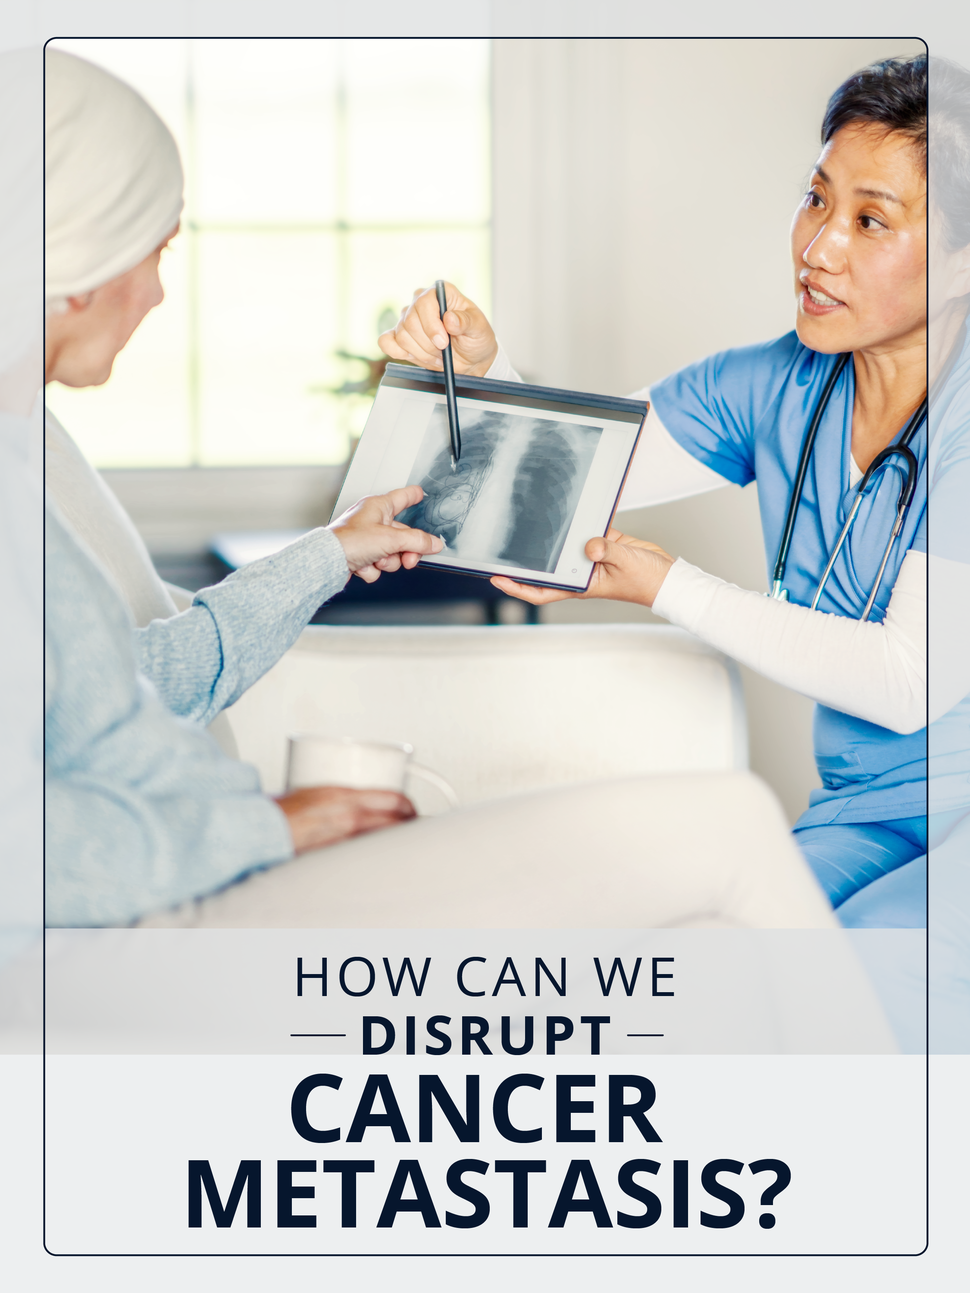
<point>322,815</point>
<point>626,570</point>
<point>373,541</point>
<point>419,337</point>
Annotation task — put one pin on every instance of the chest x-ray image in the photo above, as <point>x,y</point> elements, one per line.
<point>513,496</point>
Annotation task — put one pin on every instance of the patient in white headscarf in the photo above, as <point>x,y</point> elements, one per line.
<point>113,201</point>
<point>141,812</point>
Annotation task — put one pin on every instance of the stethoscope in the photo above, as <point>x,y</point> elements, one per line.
<point>899,450</point>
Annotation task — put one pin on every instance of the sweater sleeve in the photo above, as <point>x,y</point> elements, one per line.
<point>118,847</point>
<point>202,661</point>
<point>501,369</point>
<point>663,471</point>
<point>876,672</point>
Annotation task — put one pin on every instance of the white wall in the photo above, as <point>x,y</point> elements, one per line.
<point>643,192</point>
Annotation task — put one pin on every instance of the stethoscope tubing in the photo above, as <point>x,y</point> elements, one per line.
<point>907,490</point>
<point>835,552</point>
<point>808,445</point>
<point>885,557</point>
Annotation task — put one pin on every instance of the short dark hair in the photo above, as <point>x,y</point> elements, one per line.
<point>891,93</point>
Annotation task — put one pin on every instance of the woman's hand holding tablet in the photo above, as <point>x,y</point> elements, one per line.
<point>373,540</point>
<point>626,570</point>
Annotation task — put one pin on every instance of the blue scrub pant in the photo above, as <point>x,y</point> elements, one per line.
<point>873,873</point>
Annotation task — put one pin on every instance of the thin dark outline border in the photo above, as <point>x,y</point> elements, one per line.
<point>524,1256</point>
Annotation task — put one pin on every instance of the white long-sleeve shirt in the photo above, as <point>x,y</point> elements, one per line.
<point>876,672</point>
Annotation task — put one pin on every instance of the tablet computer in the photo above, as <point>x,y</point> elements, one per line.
<point>541,471</point>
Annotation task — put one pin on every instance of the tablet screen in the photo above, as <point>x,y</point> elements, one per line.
<point>540,472</point>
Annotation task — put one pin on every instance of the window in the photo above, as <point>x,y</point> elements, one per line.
<point>325,180</point>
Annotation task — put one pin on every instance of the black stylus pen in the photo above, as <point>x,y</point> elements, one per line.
<point>447,359</point>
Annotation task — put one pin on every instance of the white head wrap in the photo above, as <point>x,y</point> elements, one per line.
<point>113,177</point>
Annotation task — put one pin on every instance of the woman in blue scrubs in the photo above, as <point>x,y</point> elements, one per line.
<point>859,245</point>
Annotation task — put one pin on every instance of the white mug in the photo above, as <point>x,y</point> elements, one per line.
<point>362,765</point>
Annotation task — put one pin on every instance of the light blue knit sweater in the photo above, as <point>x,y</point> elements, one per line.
<point>143,808</point>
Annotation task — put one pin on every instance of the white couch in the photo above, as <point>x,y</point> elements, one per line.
<point>591,761</point>
<point>504,710</point>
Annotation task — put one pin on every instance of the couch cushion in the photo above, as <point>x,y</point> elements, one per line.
<point>504,710</point>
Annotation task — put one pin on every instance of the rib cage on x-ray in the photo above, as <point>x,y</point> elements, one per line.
<point>512,500</point>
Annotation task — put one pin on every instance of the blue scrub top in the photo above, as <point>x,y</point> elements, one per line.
<point>744,414</point>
